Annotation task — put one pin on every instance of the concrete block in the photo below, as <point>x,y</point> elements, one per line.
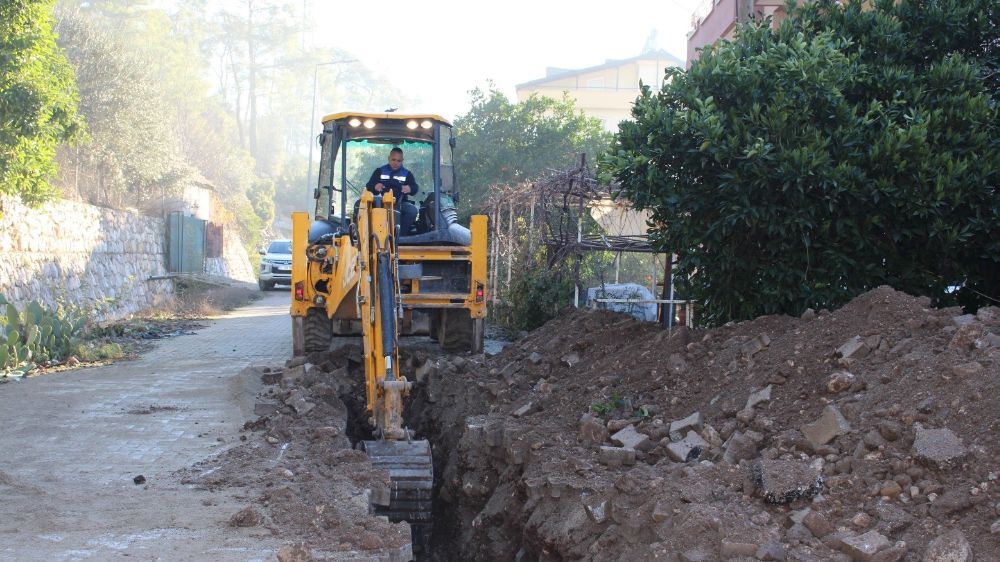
<point>632,439</point>
<point>829,425</point>
<point>762,395</point>
<point>852,347</point>
<point>592,431</point>
<point>693,421</point>
<point>739,447</point>
<point>689,448</point>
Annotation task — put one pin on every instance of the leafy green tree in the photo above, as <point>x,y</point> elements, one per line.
<point>261,196</point>
<point>503,142</point>
<point>850,147</point>
<point>37,99</point>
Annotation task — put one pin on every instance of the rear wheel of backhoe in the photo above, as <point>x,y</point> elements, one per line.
<point>317,330</point>
<point>411,476</point>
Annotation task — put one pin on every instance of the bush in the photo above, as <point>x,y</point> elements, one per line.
<point>534,297</point>
<point>854,146</point>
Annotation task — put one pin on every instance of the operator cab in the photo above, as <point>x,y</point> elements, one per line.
<point>352,145</point>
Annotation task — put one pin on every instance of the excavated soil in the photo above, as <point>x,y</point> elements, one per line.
<point>867,433</point>
<point>906,396</point>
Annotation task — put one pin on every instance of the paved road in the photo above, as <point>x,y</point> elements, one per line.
<point>71,443</point>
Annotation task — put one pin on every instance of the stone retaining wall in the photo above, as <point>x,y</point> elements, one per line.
<point>101,259</point>
<point>234,263</point>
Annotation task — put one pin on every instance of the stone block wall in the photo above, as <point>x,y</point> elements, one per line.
<point>101,259</point>
<point>234,263</point>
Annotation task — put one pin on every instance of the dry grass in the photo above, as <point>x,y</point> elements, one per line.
<point>196,300</point>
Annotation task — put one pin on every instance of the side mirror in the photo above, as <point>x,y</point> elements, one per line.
<point>262,252</point>
<point>315,193</point>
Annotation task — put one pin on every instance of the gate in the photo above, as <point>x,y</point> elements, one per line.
<point>185,243</point>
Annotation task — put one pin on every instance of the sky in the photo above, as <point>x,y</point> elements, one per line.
<point>437,50</point>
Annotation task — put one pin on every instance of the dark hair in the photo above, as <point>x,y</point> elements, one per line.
<point>396,149</point>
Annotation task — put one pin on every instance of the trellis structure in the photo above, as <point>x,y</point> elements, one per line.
<point>550,212</point>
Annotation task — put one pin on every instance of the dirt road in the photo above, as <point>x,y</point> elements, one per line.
<point>72,443</point>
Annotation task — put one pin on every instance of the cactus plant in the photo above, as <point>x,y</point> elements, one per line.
<point>38,333</point>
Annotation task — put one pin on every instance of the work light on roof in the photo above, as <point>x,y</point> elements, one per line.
<point>369,124</point>
<point>354,122</point>
<point>411,125</point>
<point>426,124</point>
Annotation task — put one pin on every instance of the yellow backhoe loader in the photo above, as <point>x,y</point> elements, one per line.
<point>354,271</point>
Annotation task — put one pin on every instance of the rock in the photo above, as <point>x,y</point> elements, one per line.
<point>808,314</point>
<point>616,456</point>
<point>596,508</point>
<point>889,430</point>
<point>951,546</point>
<point>693,421</point>
<point>614,426</point>
<point>851,347</point>
<point>829,425</point>
<point>952,501</point>
<point>995,528</point>
<point>988,314</point>
<point>963,320</point>
<point>746,415</point>
<point>938,448</point>
<point>967,369</point>
<point>297,552</point>
<point>892,519</point>
<point>265,408</point>
<point>733,548</point>
<point>798,532</point>
<point>771,551</point>
<point>688,449</point>
<point>271,439</point>
<point>424,370</point>
<point>662,512</point>
<point>762,395</point>
<point>246,517</point>
<point>739,447</point>
<point>839,381</point>
<point>294,376</point>
<point>632,439</point>
<point>708,433</point>
<point>509,370</point>
<point>861,520</point>
<point>535,358</point>
<point>755,345</point>
<point>896,553</point>
<point>72,361</point>
<point>991,340</point>
<point>592,431</point>
<point>863,548</point>
<point>139,480</point>
<point>782,481</point>
<point>890,489</point>
<point>570,360</point>
<point>817,524</point>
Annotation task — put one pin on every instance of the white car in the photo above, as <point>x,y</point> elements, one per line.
<point>276,265</point>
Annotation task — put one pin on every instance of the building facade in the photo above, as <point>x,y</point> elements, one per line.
<point>717,19</point>
<point>606,91</point>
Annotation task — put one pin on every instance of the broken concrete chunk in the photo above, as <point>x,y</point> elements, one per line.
<point>839,381</point>
<point>829,425</point>
<point>693,421</point>
<point>632,439</point>
<point>851,347</point>
<point>509,370</point>
<point>740,446</point>
<point>596,508</point>
<point>570,360</point>
<point>754,346</point>
<point>535,358</point>
<point>762,395</point>
<point>817,524</point>
<point>616,456</point>
<point>294,375</point>
<point>592,431</point>
<point>782,482</point>
<point>524,410</point>
<point>688,449</point>
<point>939,448</point>
<point>952,546</point>
<point>863,548</point>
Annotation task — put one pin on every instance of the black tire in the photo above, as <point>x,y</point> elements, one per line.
<point>317,331</point>
<point>455,330</point>
<point>261,285</point>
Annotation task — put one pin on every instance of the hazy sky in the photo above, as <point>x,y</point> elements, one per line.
<point>437,50</point>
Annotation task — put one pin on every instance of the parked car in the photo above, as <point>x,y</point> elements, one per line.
<point>276,265</point>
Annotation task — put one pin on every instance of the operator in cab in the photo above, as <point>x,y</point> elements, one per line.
<point>393,176</point>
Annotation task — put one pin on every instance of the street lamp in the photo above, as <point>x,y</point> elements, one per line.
<point>312,118</point>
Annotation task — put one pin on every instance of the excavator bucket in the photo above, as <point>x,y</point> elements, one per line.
<point>411,476</point>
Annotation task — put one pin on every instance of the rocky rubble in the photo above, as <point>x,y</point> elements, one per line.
<point>867,433</point>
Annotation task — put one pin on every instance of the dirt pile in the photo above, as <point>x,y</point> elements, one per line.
<point>298,470</point>
<point>868,433</point>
